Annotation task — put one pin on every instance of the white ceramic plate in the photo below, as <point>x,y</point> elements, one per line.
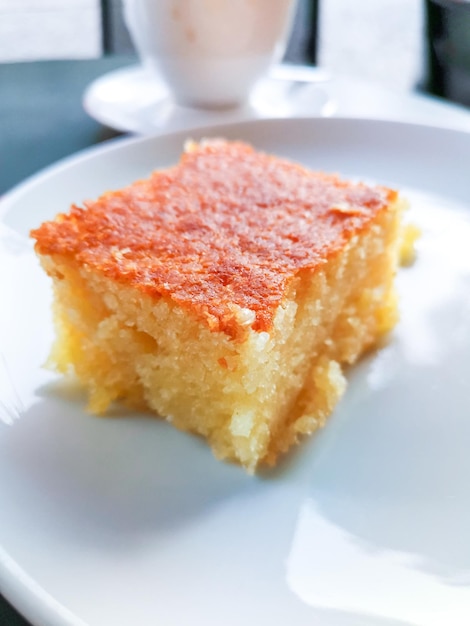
<point>125,521</point>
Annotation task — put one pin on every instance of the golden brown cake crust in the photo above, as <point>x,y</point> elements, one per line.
<point>226,226</point>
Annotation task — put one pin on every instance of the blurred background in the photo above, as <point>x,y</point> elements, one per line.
<point>386,49</point>
<point>376,40</point>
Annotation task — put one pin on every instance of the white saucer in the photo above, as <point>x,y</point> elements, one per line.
<point>135,99</point>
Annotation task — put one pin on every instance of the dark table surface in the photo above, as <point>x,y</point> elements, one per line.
<point>42,121</point>
<point>41,115</point>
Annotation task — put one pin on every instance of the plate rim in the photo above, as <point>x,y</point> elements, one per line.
<point>122,143</point>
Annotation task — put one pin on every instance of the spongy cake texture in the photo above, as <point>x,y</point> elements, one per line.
<point>225,293</point>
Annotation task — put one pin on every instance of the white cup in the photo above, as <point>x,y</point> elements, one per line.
<point>209,52</point>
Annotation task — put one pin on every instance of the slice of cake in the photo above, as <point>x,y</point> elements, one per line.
<point>225,294</point>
